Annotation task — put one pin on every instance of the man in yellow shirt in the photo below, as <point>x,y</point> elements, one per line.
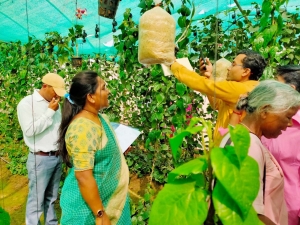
<point>242,77</point>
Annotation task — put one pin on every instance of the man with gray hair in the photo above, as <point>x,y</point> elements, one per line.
<point>39,117</point>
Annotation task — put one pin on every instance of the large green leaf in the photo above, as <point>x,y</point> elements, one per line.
<point>266,7</point>
<point>195,166</point>
<point>194,130</point>
<point>175,143</point>
<point>181,203</point>
<point>228,211</point>
<point>279,24</point>
<point>241,139</point>
<point>242,184</point>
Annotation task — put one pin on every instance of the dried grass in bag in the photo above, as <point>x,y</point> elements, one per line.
<point>156,37</point>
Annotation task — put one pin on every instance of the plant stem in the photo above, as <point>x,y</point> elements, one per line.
<point>153,164</point>
<point>134,194</point>
<point>152,170</point>
<point>211,145</point>
<point>272,17</point>
<point>184,33</point>
<point>242,11</point>
<point>4,160</point>
<point>210,216</point>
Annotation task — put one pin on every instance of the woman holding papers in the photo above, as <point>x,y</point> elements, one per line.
<point>96,188</point>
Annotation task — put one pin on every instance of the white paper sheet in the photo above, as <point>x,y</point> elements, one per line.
<point>126,135</point>
<point>183,61</point>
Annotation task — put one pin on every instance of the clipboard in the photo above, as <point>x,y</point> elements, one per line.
<point>126,135</point>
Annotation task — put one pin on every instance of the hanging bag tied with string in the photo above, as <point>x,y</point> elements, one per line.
<point>156,37</point>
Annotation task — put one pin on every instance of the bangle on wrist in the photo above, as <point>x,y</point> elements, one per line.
<point>100,213</point>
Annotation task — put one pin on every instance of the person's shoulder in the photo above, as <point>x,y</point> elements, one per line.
<point>254,138</point>
<point>79,125</point>
<point>249,85</point>
<point>255,142</point>
<point>252,82</point>
<point>80,121</point>
<point>27,99</point>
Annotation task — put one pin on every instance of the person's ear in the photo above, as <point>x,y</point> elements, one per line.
<point>247,72</point>
<point>263,115</point>
<point>265,111</point>
<point>293,86</point>
<point>90,98</point>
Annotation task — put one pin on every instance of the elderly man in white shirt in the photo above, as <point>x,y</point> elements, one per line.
<point>39,117</point>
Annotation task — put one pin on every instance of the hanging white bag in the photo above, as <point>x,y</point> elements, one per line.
<point>156,37</point>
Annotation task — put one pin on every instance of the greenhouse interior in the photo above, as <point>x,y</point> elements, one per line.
<point>158,112</point>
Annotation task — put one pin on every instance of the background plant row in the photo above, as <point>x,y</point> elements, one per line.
<point>141,96</point>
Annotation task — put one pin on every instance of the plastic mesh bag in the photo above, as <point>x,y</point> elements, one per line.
<point>156,37</point>
<point>220,69</point>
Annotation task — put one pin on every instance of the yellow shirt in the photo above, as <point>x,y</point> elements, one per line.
<point>223,95</point>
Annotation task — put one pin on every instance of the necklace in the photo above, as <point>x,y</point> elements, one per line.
<point>96,114</point>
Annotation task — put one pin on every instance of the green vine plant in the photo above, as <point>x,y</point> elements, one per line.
<point>188,195</point>
<point>153,104</point>
<point>141,210</point>
<point>142,97</point>
<point>184,22</point>
<point>266,40</point>
<point>21,69</point>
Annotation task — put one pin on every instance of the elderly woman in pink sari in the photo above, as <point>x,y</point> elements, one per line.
<point>268,113</point>
<point>286,149</point>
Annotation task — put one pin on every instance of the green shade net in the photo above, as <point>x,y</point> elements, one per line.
<point>59,15</point>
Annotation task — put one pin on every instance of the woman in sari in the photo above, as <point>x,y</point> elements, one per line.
<point>95,190</point>
<point>269,108</point>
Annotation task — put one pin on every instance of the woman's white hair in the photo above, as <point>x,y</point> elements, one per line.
<point>270,95</point>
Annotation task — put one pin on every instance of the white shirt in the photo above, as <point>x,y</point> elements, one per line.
<point>39,123</point>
